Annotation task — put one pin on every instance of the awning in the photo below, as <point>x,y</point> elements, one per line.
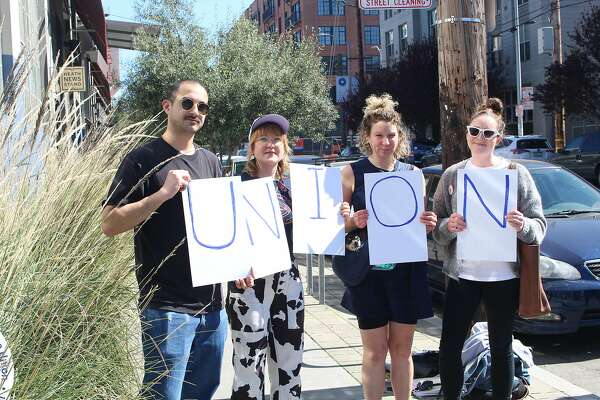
<point>91,14</point>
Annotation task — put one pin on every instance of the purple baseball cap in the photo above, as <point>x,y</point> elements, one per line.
<point>270,119</point>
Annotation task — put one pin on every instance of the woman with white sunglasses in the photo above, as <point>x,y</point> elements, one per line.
<point>496,284</point>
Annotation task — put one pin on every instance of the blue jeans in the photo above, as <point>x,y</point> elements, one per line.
<point>182,354</point>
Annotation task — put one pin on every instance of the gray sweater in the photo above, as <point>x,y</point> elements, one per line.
<point>444,204</point>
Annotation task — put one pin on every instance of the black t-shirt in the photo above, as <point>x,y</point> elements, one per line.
<point>170,286</point>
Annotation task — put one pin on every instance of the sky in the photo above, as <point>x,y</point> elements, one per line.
<point>210,14</point>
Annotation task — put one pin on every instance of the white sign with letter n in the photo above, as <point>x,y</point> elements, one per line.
<point>484,197</point>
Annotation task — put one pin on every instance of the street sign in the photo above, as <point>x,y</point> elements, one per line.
<point>72,80</point>
<point>527,96</point>
<point>401,4</point>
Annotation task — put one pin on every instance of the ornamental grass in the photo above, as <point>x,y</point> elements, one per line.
<point>68,293</point>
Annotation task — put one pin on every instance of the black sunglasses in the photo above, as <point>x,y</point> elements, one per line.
<point>187,104</point>
<point>475,131</point>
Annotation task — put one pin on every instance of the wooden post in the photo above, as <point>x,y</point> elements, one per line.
<point>461,39</point>
<point>557,56</point>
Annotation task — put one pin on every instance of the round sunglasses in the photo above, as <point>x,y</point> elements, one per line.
<point>475,131</point>
<point>187,104</point>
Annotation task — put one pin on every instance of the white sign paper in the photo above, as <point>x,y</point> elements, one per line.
<point>318,224</point>
<point>484,197</point>
<point>395,202</point>
<point>217,238</point>
<point>264,227</point>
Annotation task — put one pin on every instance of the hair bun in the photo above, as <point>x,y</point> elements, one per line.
<point>495,104</point>
<point>383,103</point>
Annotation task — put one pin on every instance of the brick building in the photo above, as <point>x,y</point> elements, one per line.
<point>345,54</point>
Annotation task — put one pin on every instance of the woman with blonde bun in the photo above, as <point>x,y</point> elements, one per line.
<point>496,284</point>
<point>392,297</point>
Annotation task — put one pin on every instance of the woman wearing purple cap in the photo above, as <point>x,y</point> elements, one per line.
<point>266,315</point>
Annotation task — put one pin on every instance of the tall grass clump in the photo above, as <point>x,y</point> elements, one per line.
<point>68,293</point>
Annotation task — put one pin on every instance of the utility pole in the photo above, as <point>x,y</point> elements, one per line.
<point>519,105</point>
<point>557,56</point>
<point>461,41</point>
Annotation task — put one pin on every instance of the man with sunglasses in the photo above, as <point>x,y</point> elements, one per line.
<point>183,327</point>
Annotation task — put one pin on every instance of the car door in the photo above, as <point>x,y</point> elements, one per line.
<point>435,276</point>
<point>590,157</point>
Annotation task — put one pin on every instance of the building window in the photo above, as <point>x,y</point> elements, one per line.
<point>403,35</point>
<point>389,46</point>
<point>521,2</point>
<point>387,14</point>
<point>498,7</point>
<point>330,7</point>
<point>271,28</point>
<point>293,19</point>
<point>336,65</point>
<point>525,44</point>
<point>329,35</point>
<point>298,37</point>
<point>268,9</point>
<point>432,18</point>
<point>371,33</point>
<point>370,12</point>
<point>372,64</point>
<point>497,50</point>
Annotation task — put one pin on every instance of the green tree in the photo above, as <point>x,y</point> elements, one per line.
<point>247,74</point>
<point>576,82</point>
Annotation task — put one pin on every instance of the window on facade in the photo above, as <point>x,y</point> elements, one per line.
<point>296,13</point>
<point>403,35</point>
<point>497,50</point>
<point>498,7</point>
<point>370,12</point>
<point>387,14</point>
<point>525,43</point>
<point>298,37</point>
<point>330,7</point>
<point>336,65</point>
<point>268,9</point>
<point>372,64</point>
<point>371,33</point>
<point>521,2</point>
<point>432,19</point>
<point>329,35</point>
<point>389,46</point>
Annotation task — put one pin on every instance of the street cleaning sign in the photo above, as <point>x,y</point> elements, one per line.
<point>400,4</point>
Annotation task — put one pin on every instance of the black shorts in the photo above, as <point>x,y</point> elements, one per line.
<point>400,295</point>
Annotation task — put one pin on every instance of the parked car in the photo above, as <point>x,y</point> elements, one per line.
<point>570,254</point>
<point>582,156</point>
<point>530,147</point>
<point>418,150</point>
<point>350,151</point>
<point>432,157</point>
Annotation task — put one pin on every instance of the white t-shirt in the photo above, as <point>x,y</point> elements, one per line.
<point>487,271</point>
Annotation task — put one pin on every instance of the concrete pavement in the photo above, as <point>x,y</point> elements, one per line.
<point>333,351</point>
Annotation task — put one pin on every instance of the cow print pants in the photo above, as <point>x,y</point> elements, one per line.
<point>267,323</point>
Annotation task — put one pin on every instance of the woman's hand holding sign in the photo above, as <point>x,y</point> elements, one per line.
<point>516,220</point>
<point>357,220</point>
<point>429,219</point>
<point>456,223</point>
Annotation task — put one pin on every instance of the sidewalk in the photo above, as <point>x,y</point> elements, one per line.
<point>333,351</point>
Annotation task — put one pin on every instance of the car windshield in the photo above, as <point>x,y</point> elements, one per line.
<point>533,144</point>
<point>564,193</point>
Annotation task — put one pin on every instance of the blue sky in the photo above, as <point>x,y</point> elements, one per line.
<point>210,14</point>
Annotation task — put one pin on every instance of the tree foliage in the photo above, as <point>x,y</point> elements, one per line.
<point>247,74</point>
<point>576,83</point>
<point>412,82</point>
